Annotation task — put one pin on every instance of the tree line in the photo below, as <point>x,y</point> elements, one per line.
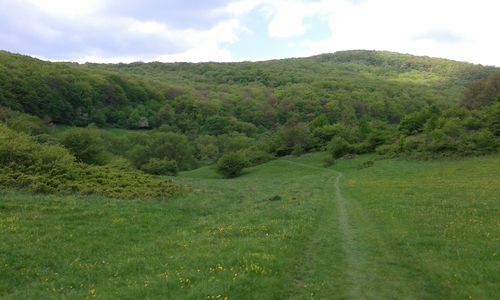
<point>187,115</point>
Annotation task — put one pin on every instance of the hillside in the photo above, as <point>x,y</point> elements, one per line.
<point>346,86</point>
<point>346,102</point>
<point>263,180</point>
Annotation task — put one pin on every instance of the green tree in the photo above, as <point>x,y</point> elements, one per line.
<point>295,138</point>
<point>231,164</point>
<point>338,147</point>
<point>86,145</point>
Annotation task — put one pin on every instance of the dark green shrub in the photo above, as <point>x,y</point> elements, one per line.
<point>234,142</point>
<point>138,155</point>
<point>338,147</point>
<point>217,125</point>
<point>293,138</point>
<point>171,146</point>
<point>231,164</point>
<point>86,145</point>
<point>413,123</point>
<point>207,150</point>
<point>167,146</point>
<point>160,167</point>
<point>390,150</point>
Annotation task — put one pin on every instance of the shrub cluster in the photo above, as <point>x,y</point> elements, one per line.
<point>160,167</point>
<point>24,164</point>
<point>453,133</point>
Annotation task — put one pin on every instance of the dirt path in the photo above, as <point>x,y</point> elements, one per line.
<point>349,262</point>
<point>348,257</point>
<point>349,238</point>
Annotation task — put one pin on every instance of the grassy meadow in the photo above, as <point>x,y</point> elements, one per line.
<point>287,229</point>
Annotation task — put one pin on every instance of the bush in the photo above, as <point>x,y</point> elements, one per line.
<point>256,157</point>
<point>390,150</point>
<point>165,146</point>
<point>160,167</point>
<point>21,154</point>
<point>42,168</point>
<point>86,145</point>
<point>231,164</point>
<point>15,148</point>
<point>23,122</point>
<point>338,147</point>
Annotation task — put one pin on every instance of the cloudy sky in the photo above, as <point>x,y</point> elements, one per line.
<point>236,30</point>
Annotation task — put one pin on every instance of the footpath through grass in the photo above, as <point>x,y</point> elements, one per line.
<point>286,229</point>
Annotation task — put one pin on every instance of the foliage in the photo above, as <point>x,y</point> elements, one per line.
<point>207,148</point>
<point>256,157</point>
<point>85,144</point>
<point>457,132</point>
<point>231,164</point>
<point>160,146</point>
<point>194,113</point>
<point>292,138</point>
<point>413,123</point>
<point>338,147</point>
<point>157,166</point>
<point>482,93</point>
<point>24,122</point>
<point>39,168</point>
<point>220,98</point>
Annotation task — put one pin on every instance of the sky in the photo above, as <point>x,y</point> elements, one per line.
<point>239,30</point>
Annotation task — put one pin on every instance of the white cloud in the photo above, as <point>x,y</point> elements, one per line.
<point>67,9</point>
<point>196,45</point>
<point>95,30</point>
<point>242,7</point>
<point>205,45</point>
<point>202,53</point>
<point>456,29</point>
<point>86,30</point>
<point>286,16</point>
<point>288,21</point>
<point>400,25</point>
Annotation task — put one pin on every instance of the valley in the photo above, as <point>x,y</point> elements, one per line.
<point>289,228</point>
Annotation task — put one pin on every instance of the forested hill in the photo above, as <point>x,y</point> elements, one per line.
<point>346,102</point>
<point>345,86</point>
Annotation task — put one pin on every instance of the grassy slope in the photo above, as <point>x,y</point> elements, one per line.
<point>395,230</point>
<point>438,221</point>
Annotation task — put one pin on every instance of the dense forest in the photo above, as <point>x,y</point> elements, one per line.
<point>182,115</point>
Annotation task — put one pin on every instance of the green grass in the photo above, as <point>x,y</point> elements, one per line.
<point>437,221</point>
<point>400,229</point>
